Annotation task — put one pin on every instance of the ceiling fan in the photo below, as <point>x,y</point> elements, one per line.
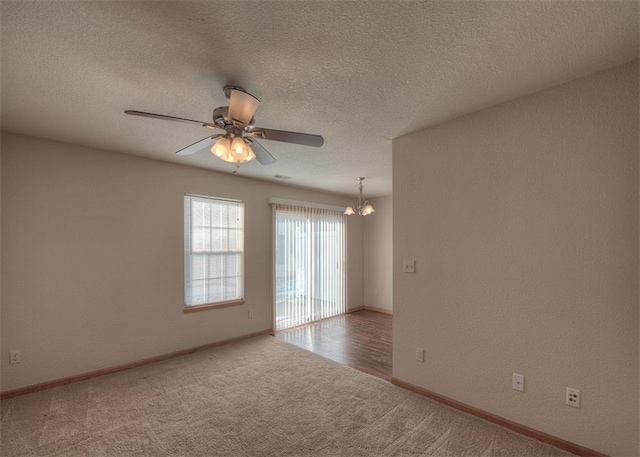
<point>237,143</point>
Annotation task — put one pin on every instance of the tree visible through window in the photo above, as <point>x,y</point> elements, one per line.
<point>214,250</point>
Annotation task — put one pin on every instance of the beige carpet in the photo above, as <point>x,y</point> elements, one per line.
<point>259,397</point>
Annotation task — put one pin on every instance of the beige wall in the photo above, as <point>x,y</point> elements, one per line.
<point>526,244</point>
<point>92,265</point>
<point>378,254</point>
<point>1,347</point>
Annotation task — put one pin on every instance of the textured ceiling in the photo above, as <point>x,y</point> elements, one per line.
<point>357,73</point>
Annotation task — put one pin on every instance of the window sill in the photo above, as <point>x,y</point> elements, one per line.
<point>222,304</point>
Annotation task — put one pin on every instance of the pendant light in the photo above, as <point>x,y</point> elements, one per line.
<point>362,206</point>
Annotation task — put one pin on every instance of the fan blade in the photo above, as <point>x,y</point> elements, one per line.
<point>242,106</point>
<point>171,118</point>
<point>262,155</point>
<point>198,145</point>
<point>288,137</point>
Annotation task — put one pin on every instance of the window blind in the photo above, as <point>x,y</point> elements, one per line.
<point>310,264</point>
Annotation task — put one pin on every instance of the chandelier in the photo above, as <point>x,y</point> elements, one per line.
<point>362,206</point>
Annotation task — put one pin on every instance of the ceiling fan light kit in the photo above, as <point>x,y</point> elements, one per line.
<point>238,142</point>
<point>233,151</point>
<point>362,206</point>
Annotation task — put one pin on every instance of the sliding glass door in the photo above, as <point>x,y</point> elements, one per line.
<point>310,260</point>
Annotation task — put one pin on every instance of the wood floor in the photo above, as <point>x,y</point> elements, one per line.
<point>361,340</point>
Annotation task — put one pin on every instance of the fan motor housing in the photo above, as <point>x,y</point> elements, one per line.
<point>221,118</point>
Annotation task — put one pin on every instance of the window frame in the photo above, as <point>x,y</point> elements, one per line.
<point>188,252</point>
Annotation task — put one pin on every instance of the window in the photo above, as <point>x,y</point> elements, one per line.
<point>214,251</point>
<point>310,257</point>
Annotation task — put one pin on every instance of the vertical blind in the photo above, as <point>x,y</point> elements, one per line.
<point>214,250</point>
<point>310,260</point>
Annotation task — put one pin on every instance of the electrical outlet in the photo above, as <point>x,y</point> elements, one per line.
<point>420,354</point>
<point>573,397</point>
<point>518,382</point>
<point>14,357</point>
<point>250,313</point>
<point>409,266</point>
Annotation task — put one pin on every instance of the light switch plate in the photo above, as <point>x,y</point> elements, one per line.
<point>409,266</point>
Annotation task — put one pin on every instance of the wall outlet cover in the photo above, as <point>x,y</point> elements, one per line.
<point>517,382</point>
<point>572,397</point>
<point>14,357</point>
